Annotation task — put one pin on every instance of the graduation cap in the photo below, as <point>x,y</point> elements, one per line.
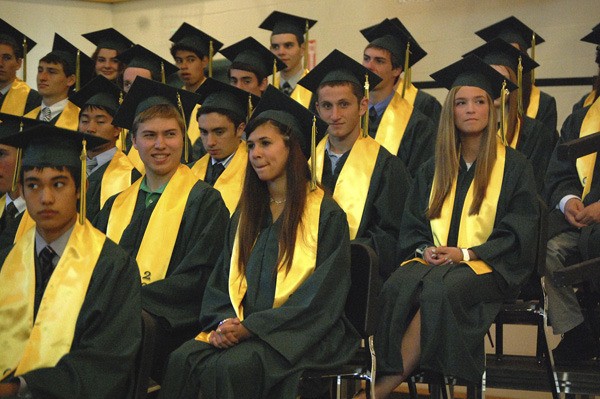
<point>109,38</point>
<point>306,126</point>
<point>140,57</point>
<point>45,145</point>
<point>593,37</point>
<point>189,38</point>
<point>396,21</point>
<point>19,39</point>
<point>76,59</point>
<point>216,96</point>
<point>511,30</point>
<point>249,53</point>
<point>99,92</point>
<point>11,124</point>
<point>146,93</point>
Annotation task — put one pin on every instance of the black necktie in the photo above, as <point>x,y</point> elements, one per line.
<point>372,115</point>
<point>286,88</point>
<point>11,210</point>
<point>46,262</point>
<point>217,169</point>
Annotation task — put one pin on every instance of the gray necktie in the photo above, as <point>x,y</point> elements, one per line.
<point>90,165</point>
<point>46,114</point>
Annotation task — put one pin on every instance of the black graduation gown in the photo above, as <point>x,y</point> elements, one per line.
<point>308,331</point>
<point>429,106</point>
<point>457,306</point>
<point>379,226</point>
<point>9,230</point>
<point>107,336</point>
<point>547,111</point>
<point>34,99</point>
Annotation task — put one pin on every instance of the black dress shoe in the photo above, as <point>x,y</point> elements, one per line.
<point>577,344</point>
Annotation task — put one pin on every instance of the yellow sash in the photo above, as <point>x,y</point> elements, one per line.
<point>193,131</point>
<point>393,123</point>
<point>589,100</point>
<point>352,186</point>
<point>410,94</point>
<point>585,165</point>
<point>515,140</point>
<point>16,98</point>
<point>534,102</point>
<point>231,181</point>
<point>157,245</point>
<point>25,224</point>
<point>68,118</point>
<point>29,344</point>
<point>116,177</point>
<point>300,93</point>
<point>2,204</point>
<point>134,158</point>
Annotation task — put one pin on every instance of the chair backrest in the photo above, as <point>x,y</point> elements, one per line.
<point>145,356</point>
<point>361,303</point>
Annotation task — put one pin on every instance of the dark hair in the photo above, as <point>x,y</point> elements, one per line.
<point>53,58</point>
<point>299,38</point>
<point>74,172</point>
<point>95,107</point>
<point>254,203</point>
<point>393,58</point>
<point>10,41</point>
<point>233,117</point>
<point>260,76</point>
<point>357,90</point>
<point>180,46</point>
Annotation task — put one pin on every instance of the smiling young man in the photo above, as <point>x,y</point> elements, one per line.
<point>77,329</point>
<point>368,182</point>
<point>171,222</point>
<point>59,73</point>
<point>16,97</point>
<point>288,43</point>
<point>393,121</point>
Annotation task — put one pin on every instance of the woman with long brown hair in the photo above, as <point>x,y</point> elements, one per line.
<point>110,43</point>
<point>273,306</point>
<point>467,239</point>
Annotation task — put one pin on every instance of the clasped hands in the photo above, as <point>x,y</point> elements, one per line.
<point>230,332</point>
<point>444,255</point>
<point>579,215</point>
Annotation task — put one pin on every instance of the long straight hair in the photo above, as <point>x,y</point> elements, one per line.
<point>447,153</point>
<point>254,202</point>
<point>513,106</point>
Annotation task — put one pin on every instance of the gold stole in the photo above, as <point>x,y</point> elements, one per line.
<point>157,245</point>
<point>68,118</point>
<point>231,181</point>
<point>116,177</point>
<point>300,93</point>
<point>410,94</point>
<point>474,229</point>
<point>29,344</point>
<point>193,131</point>
<point>134,157</point>
<point>25,224</point>
<point>515,140</point>
<point>393,123</point>
<point>589,100</point>
<point>16,98</point>
<point>585,165</point>
<point>534,102</point>
<point>352,186</point>
<point>2,204</point>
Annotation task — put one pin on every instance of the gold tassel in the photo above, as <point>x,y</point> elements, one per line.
<point>502,113</point>
<point>186,147</point>
<point>365,131</point>
<point>313,155</point>
<point>19,156</point>
<point>78,71</point>
<point>306,46</point>
<point>274,72</point>
<point>24,59</point>
<point>533,58</point>
<point>408,77</point>
<point>123,132</point>
<point>520,83</point>
<point>163,78</point>
<point>250,108</point>
<point>82,190</point>
<point>211,51</point>
<point>406,59</point>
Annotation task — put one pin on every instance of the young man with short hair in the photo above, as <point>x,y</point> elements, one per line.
<point>368,182</point>
<point>77,330</point>
<point>170,221</point>
<point>16,97</point>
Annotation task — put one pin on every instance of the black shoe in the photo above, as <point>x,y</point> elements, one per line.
<point>577,344</point>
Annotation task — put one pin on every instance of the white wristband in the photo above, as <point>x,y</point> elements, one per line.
<point>466,256</point>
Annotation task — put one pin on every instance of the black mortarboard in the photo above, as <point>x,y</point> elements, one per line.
<point>395,21</point>
<point>280,22</point>
<point>193,39</point>
<point>510,30</point>
<point>109,38</point>
<point>12,124</point>
<point>216,96</point>
<point>472,71</point>
<point>391,36</point>
<point>140,57</point>
<point>99,92</point>
<point>594,36</point>
<point>71,54</point>
<point>499,52</point>
<point>250,53</point>
<point>279,107</point>
<point>19,38</point>
<point>338,67</point>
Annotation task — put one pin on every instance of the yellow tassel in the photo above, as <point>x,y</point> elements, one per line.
<point>520,89</point>
<point>306,46</point>
<point>313,154</point>
<point>274,72</point>
<point>17,172</point>
<point>82,190</point>
<point>408,77</point>
<point>250,108</point>
<point>123,132</point>
<point>502,113</point>
<point>533,57</point>
<point>163,78</point>
<point>186,147</point>
<point>24,59</point>
<point>78,71</point>
<point>211,51</point>
<point>406,63</point>
<point>365,129</point>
